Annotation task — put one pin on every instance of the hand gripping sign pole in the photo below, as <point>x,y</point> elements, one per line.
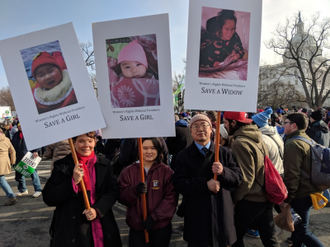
<point>144,202</point>
<point>82,184</point>
<point>217,141</point>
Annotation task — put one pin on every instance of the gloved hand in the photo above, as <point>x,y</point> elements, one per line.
<point>148,223</point>
<point>141,188</point>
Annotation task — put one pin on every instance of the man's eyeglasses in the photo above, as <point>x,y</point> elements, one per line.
<point>285,122</point>
<point>197,127</point>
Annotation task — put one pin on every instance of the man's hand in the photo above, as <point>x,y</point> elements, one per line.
<point>35,154</point>
<point>217,168</point>
<point>213,185</point>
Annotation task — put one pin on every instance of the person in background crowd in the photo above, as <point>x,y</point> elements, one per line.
<point>194,113</point>
<point>252,208</point>
<point>224,137</point>
<point>326,117</point>
<point>183,115</point>
<point>318,129</point>
<point>186,119</point>
<point>276,119</point>
<point>279,121</point>
<point>180,141</point>
<point>109,147</point>
<point>5,129</point>
<point>275,148</point>
<point>212,115</point>
<point>294,109</point>
<point>271,138</point>
<point>304,110</point>
<point>160,196</point>
<point>14,129</point>
<point>273,141</point>
<point>297,158</point>
<point>208,212</point>
<point>72,223</point>
<point>5,166</point>
<point>57,151</point>
<point>319,132</point>
<point>21,149</point>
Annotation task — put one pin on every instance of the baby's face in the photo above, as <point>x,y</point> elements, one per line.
<point>132,69</point>
<point>228,29</point>
<point>48,76</point>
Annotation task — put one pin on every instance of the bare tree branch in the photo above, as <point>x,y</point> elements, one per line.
<point>6,99</point>
<point>301,48</point>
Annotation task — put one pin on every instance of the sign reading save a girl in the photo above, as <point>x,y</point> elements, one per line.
<point>50,85</point>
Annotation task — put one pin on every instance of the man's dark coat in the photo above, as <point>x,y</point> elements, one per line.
<point>200,209</point>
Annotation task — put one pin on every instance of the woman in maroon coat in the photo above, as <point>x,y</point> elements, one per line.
<point>160,194</point>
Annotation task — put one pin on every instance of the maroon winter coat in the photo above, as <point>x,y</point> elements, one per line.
<point>161,196</point>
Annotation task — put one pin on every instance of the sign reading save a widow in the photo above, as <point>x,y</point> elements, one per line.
<point>133,68</point>
<point>50,85</point>
<point>223,55</point>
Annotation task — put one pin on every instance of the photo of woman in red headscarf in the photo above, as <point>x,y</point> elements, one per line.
<point>224,44</point>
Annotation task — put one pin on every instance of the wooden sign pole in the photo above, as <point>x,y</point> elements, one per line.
<point>217,141</point>
<point>143,196</point>
<point>82,184</point>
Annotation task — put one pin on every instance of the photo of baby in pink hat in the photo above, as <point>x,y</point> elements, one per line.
<point>48,77</point>
<point>133,71</point>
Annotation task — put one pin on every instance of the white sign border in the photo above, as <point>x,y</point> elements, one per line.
<point>194,98</point>
<point>134,123</point>
<point>36,133</point>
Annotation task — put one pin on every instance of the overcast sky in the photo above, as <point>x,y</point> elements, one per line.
<point>18,17</point>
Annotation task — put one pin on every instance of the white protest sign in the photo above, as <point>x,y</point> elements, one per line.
<point>28,164</point>
<point>133,68</point>
<point>223,55</point>
<point>50,85</point>
<point>5,112</point>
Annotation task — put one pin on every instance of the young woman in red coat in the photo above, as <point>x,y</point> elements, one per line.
<point>160,194</point>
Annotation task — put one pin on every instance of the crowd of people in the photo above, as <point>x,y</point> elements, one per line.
<point>222,201</point>
<point>13,149</point>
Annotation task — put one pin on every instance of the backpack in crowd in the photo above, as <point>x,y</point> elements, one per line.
<point>320,169</point>
<point>274,186</point>
<point>276,191</point>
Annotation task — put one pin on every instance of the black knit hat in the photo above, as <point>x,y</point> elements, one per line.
<point>317,115</point>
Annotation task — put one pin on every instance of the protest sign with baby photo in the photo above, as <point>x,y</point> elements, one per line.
<point>133,68</point>
<point>50,85</point>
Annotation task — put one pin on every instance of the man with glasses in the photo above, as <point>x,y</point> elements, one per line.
<point>297,159</point>
<point>252,208</point>
<point>207,208</point>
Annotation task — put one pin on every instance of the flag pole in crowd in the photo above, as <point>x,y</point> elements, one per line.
<point>82,184</point>
<point>144,202</point>
<point>217,141</point>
